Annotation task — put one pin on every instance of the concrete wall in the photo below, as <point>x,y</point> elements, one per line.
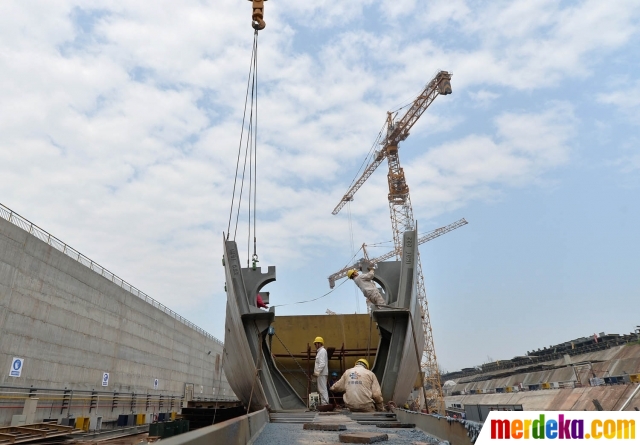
<point>70,325</point>
<point>616,361</point>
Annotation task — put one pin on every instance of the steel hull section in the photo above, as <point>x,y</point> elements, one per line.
<point>397,362</point>
<point>248,363</point>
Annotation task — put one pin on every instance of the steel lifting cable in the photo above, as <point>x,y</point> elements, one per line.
<point>250,157</point>
<point>244,169</point>
<point>255,157</point>
<point>253,139</point>
<point>244,115</point>
<point>353,248</point>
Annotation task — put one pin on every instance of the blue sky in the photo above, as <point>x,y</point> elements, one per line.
<point>119,123</point>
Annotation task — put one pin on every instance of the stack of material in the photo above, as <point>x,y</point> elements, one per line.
<point>32,432</point>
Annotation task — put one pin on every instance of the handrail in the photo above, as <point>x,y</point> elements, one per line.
<point>21,392</point>
<point>45,236</point>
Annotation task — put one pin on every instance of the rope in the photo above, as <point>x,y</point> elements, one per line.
<point>350,262</point>
<point>294,359</point>
<point>288,371</point>
<point>255,377</point>
<point>418,354</point>
<point>244,169</point>
<point>369,340</point>
<point>369,158</point>
<point>313,299</point>
<point>353,248</point>
<point>215,411</point>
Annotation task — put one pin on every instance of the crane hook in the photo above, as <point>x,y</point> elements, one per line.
<point>257,18</point>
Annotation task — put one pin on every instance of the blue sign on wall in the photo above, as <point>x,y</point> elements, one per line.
<point>16,367</point>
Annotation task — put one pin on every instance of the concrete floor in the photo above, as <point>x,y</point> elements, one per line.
<point>282,433</point>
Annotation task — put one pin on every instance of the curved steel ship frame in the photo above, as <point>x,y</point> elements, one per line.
<point>248,363</point>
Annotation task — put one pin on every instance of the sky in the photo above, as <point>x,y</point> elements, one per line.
<point>120,123</point>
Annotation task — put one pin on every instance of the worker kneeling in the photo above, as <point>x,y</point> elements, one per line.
<point>361,388</point>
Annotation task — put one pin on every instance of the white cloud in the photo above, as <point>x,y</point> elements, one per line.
<point>524,147</point>
<point>629,164</point>
<point>528,45</point>
<point>119,123</point>
<point>627,98</point>
<point>322,13</point>
<point>483,97</point>
<point>398,8</point>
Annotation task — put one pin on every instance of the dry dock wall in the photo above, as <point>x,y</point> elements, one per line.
<point>71,325</point>
<point>573,372</point>
<point>570,399</point>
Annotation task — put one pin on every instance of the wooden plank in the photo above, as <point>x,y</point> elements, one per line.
<point>34,431</point>
<point>6,438</point>
<point>28,433</point>
<point>52,426</point>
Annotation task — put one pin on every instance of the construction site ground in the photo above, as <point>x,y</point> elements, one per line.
<point>281,431</point>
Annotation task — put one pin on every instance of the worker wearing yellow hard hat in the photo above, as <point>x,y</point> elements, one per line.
<point>367,286</point>
<point>361,389</point>
<point>321,370</point>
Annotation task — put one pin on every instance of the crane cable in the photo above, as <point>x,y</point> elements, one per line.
<point>353,252</point>
<point>250,157</point>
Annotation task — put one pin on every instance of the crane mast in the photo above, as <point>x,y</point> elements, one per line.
<point>401,211</point>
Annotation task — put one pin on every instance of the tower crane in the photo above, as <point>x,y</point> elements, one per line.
<point>401,211</point>
<point>342,273</point>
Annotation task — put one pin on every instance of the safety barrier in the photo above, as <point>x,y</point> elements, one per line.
<point>45,236</point>
<point>239,431</point>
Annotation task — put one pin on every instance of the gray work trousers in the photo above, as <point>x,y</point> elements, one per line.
<point>374,297</point>
<point>322,390</point>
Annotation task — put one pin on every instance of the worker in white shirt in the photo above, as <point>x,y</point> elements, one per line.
<point>321,370</point>
<point>367,286</point>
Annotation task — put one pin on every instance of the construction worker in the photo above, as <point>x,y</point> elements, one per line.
<point>361,388</point>
<point>334,398</point>
<point>366,285</point>
<point>260,302</point>
<point>321,370</point>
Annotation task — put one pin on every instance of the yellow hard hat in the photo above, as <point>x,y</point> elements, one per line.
<point>319,340</point>
<point>350,273</point>
<point>363,361</point>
